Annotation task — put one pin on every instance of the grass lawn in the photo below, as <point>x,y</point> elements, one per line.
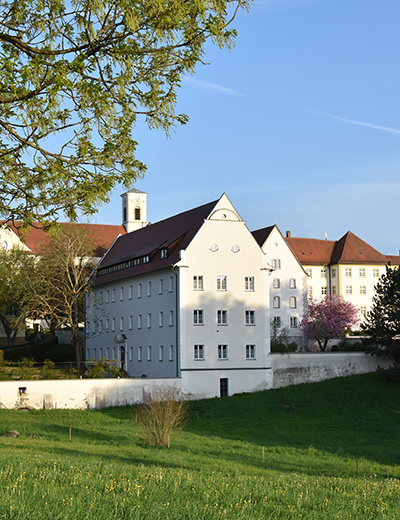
<point>331,451</point>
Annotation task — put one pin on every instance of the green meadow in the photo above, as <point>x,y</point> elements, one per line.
<point>328,450</point>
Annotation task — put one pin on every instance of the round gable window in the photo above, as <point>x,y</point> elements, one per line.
<point>213,248</point>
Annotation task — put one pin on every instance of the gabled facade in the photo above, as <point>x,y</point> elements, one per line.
<point>348,267</point>
<point>287,281</point>
<point>186,297</point>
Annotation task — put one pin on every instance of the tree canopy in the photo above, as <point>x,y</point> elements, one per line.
<point>382,323</point>
<point>75,76</point>
<point>328,318</point>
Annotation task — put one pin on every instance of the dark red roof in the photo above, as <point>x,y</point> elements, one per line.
<point>393,259</point>
<point>350,249</point>
<point>173,234</point>
<point>35,237</point>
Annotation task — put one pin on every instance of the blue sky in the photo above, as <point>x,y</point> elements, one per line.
<point>299,124</point>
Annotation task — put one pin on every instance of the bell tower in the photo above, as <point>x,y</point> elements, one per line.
<point>134,210</point>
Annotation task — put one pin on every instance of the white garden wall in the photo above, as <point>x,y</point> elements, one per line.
<point>307,367</point>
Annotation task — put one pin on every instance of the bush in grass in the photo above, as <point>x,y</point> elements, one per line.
<point>48,369</point>
<point>104,368</point>
<point>164,414</point>
<point>282,347</point>
<point>25,367</point>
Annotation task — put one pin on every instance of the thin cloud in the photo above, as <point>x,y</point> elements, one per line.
<point>212,87</point>
<point>356,122</point>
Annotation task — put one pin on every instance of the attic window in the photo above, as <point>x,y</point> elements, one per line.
<point>303,253</point>
<point>360,252</point>
<point>163,253</point>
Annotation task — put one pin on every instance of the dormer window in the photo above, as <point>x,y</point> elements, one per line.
<point>163,253</point>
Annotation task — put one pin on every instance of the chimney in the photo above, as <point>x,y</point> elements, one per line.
<point>288,234</point>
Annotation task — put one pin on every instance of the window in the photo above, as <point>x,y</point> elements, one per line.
<point>161,319</point>
<point>250,352</point>
<point>171,353</point>
<point>276,321</point>
<point>139,290</point>
<point>334,272</point>
<point>223,387</point>
<point>309,273</point>
<point>149,320</point>
<point>130,322</point>
<point>362,272</point>
<point>363,289</point>
<point>161,353</point>
<point>221,283</point>
<point>348,272</point>
<point>100,325</point>
<point>323,272</point>
<point>222,351</point>
<point>137,213</point>
<point>113,324</point>
<point>121,293</point>
<point>107,324</point>
<point>148,288</point>
<point>139,353</point>
<point>113,295</point>
<point>171,284</point>
<point>293,322</point>
<point>107,296</point>
<point>139,321</point>
<point>349,289</point>
<point>149,353</point>
<point>277,302</point>
<point>276,283</point>
<point>130,292</point>
<point>249,283</point>
<point>324,290</point>
<point>197,283</point>
<point>363,311</point>
<point>171,318</point>
<point>250,317</point>
<point>130,353</point>
<point>121,323</point>
<point>333,289</point>
<point>292,283</point>
<point>309,291</point>
<point>94,354</point>
<point>276,263</point>
<point>163,253</point>
<point>198,317</point>
<point>161,286</point>
<point>292,302</point>
<point>108,352</point>
<point>222,317</point>
<point>375,273</point>
<point>198,352</point>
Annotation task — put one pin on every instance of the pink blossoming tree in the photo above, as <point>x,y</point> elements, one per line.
<point>328,318</point>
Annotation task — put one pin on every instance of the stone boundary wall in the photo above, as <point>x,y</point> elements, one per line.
<point>89,394</point>
<point>306,367</point>
<point>86,394</point>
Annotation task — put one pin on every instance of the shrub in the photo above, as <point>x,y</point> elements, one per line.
<point>164,414</point>
<point>104,368</point>
<point>48,369</point>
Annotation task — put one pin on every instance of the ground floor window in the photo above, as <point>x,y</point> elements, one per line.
<point>223,387</point>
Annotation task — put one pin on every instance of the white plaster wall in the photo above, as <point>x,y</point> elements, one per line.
<point>297,368</point>
<point>356,281</point>
<point>276,247</point>
<point>84,394</point>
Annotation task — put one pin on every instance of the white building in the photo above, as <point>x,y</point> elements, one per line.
<point>186,297</point>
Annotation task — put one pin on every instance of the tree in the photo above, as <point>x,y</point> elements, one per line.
<point>16,269</point>
<point>382,323</point>
<point>75,77</point>
<point>62,278</point>
<point>328,318</point>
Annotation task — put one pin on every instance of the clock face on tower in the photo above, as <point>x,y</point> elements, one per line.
<point>137,200</point>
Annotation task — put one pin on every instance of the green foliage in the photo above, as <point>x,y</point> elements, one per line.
<point>104,368</point>
<point>279,335</point>
<point>1,357</point>
<point>347,346</point>
<point>25,369</point>
<point>16,270</point>
<point>382,323</point>
<point>214,469</point>
<point>48,369</point>
<point>162,416</point>
<point>75,78</point>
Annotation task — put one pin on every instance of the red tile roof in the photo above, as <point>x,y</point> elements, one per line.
<point>35,237</point>
<point>174,233</point>
<point>350,249</point>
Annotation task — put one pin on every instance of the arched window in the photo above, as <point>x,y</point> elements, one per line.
<point>137,213</point>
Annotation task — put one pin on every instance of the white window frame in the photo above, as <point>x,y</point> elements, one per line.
<point>276,283</point>
<point>148,288</point>
<point>250,317</point>
<point>362,272</point>
<point>121,294</point>
<point>222,352</point>
<point>222,317</point>
<point>171,353</point>
<point>198,282</point>
<point>161,319</point>
<point>293,322</point>
<point>171,318</point>
<point>161,286</point>
<point>250,352</point>
<point>130,294</point>
<point>161,353</point>
<point>375,273</point>
<point>363,290</point>
<point>198,352</point>
<point>149,353</point>
<point>292,283</point>
<point>349,289</point>
<point>140,321</point>
<point>130,324</point>
<point>324,290</point>
<point>249,284</point>
<point>198,317</point>
<point>149,320</point>
<point>276,263</point>
<point>140,353</point>
<point>222,282</point>
<point>121,323</point>
<point>323,272</point>
<point>348,272</point>
<point>139,290</point>
<point>293,302</point>
<point>277,302</point>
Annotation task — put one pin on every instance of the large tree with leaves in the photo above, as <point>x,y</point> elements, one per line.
<point>75,76</point>
<point>382,323</point>
<point>16,271</point>
<point>62,279</point>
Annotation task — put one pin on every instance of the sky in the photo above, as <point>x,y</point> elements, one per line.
<point>299,125</point>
